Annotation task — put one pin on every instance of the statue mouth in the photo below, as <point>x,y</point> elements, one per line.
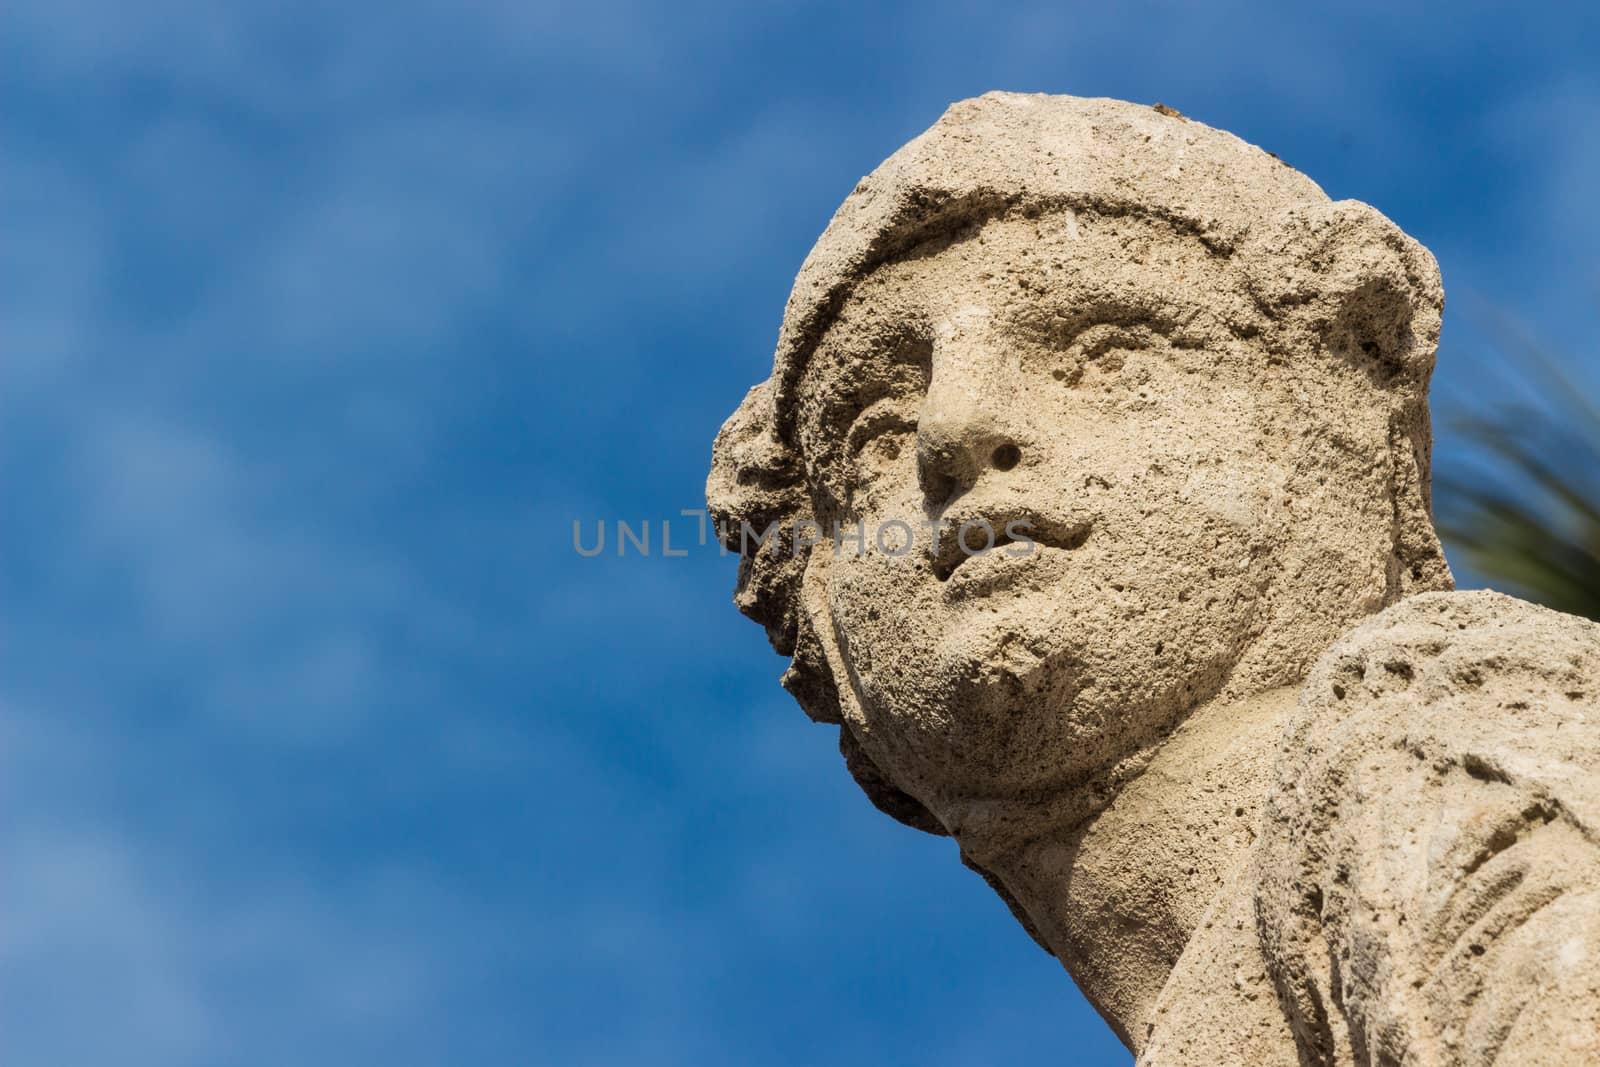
<point>977,538</point>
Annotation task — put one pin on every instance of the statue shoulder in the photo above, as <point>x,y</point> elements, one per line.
<point>1460,674</point>
<point>1428,874</point>
<point>1479,681</point>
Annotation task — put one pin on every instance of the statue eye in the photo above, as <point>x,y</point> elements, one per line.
<point>886,445</point>
<point>878,444</point>
<point>881,430</point>
<point>1098,341</point>
<point>1097,348</point>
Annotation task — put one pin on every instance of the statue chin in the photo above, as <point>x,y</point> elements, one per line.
<point>1032,685</point>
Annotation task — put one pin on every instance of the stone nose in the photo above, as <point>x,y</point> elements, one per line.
<point>961,436</point>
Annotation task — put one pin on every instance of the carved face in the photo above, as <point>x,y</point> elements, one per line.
<point>1096,379</point>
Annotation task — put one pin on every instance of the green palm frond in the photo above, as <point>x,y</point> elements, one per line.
<point>1528,517</point>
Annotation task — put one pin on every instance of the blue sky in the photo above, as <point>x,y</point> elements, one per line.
<point>321,323</point>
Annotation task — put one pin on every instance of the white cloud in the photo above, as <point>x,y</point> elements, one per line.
<point>124,944</point>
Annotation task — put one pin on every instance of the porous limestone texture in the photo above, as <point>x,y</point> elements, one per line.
<point>1428,881</point>
<point>1205,715</point>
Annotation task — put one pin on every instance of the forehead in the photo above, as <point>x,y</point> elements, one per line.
<point>1038,279</point>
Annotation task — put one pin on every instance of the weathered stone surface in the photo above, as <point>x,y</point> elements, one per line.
<point>1194,391</point>
<point>1428,881</point>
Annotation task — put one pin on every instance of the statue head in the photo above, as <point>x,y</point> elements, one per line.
<point>1183,391</point>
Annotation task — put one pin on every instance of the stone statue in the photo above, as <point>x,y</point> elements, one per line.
<point>1207,714</point>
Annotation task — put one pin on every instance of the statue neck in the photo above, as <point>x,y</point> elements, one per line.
<point>1118,895</point>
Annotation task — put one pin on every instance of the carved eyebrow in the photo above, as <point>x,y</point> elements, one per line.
<point>1062,329</point>
<point>884,414</point>
<point>1095,340</point>
<point>907,364</point>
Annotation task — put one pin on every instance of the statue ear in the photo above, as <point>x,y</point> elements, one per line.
<point>1367,292</point>
<point>1344,283</point>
